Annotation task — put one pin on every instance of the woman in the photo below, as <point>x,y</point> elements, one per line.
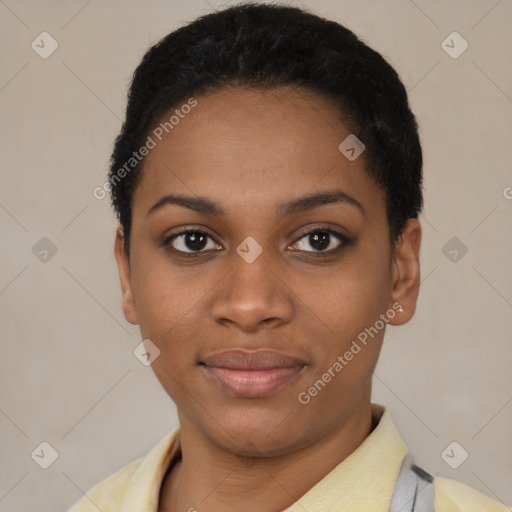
<point>268,183</point>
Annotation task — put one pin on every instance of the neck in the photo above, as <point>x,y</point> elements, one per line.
<point>208,478</point>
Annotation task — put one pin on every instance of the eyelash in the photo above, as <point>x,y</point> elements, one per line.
<point>344,241</point>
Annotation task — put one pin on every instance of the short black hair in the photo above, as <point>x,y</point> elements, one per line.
<point>264,46</point>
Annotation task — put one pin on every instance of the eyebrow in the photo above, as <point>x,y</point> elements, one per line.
<point>296,205</point>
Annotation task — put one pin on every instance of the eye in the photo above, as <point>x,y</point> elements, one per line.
<point>322,240</point>
<point>191,241</point>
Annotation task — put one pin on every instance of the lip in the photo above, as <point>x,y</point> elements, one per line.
<point>252,374</point>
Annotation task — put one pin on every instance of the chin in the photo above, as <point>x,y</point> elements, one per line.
<point>258,433</point>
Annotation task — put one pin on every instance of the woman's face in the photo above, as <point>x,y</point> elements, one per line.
<point>264,301</point>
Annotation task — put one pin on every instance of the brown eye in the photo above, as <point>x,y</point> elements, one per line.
<point>321,241</point>
<point>191,241</point>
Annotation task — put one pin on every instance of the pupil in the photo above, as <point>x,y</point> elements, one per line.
<point>320,240</point>
<point>197,241</point>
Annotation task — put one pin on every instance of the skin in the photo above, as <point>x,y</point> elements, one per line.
<point>251,151</point>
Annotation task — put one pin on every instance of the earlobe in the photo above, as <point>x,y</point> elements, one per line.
<point>406,273</point>
<point>123,265</point>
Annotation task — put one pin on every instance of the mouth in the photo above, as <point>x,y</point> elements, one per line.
<point>252,374</point>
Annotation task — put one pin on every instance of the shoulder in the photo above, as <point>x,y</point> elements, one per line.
<point>453,496</point>
<point>107,494</point>
<point>134,485</point>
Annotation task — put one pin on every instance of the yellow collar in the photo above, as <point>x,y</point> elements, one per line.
<point>365,480</point>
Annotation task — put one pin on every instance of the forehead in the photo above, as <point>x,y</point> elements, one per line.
<point>253,148</point>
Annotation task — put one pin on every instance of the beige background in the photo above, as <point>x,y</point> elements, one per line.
<point>68,373</point>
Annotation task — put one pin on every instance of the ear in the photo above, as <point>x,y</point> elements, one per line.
<point>123,265</point>
<point>406,272</point>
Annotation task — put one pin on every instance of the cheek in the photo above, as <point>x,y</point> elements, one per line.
<point>161,299</point>
<point>172,307</point>
<point>350,297</point>
<point>351,303</point>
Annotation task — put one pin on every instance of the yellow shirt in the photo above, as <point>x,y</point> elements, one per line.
<point>364,481</point>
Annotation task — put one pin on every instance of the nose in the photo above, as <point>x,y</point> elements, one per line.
<point>253,295</point>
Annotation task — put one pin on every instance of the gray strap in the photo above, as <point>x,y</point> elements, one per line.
<point>414,489</point>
